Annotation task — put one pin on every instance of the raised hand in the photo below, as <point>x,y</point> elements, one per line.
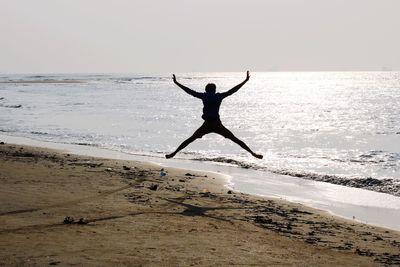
<point>247,75</point>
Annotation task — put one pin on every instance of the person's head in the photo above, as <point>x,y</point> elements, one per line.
<point>211,88</point>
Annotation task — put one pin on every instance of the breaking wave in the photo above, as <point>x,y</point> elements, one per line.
<point>386,185</point>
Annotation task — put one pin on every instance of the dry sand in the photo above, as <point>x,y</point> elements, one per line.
<point>134,217</point>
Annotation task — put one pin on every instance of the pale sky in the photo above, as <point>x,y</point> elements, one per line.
<point>150,36</point>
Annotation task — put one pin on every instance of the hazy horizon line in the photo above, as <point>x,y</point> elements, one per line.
<point>164,72</point>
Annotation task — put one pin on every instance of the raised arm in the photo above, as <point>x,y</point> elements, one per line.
<point>237,87</point>
<point>187,90</point>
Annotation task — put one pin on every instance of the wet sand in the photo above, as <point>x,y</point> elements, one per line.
<point>61,209</point>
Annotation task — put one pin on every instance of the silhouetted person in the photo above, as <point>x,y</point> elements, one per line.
<point>212,123</point>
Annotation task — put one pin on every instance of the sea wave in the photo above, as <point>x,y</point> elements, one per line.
<point>385,185</point>
<point>140,79</point>
<point>38,79</point>
<point>38,76</point>
<point>85,144</point>
<point>39,133</point>
<point>11,106</point>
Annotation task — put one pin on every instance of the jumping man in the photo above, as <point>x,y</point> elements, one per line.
<point>212,123</point>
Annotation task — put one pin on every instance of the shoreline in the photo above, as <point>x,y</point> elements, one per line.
<point>386,185</point>
<point>355,204</point>
<point>173,214</point>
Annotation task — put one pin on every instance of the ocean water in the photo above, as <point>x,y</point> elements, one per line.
<point>337,127</point>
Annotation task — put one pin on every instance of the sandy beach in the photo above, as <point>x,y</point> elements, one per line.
<point>61,209</point>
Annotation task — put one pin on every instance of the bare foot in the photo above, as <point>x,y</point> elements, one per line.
<point>168,156</point>
<point>259,156</point>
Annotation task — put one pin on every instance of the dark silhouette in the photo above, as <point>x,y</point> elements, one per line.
<point>212,123</point>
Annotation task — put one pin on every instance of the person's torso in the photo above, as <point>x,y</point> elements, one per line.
<point>212,103</point>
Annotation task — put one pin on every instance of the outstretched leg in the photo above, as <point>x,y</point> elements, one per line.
<point>197,134</point>
<point>244,146</point>
<point>222,130</point>
<point>182,146</point>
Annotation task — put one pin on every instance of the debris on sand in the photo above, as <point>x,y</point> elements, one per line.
<point>153,187</point>
<point>68,220</point>
<point>163,173</point>
<point>83,221</point>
